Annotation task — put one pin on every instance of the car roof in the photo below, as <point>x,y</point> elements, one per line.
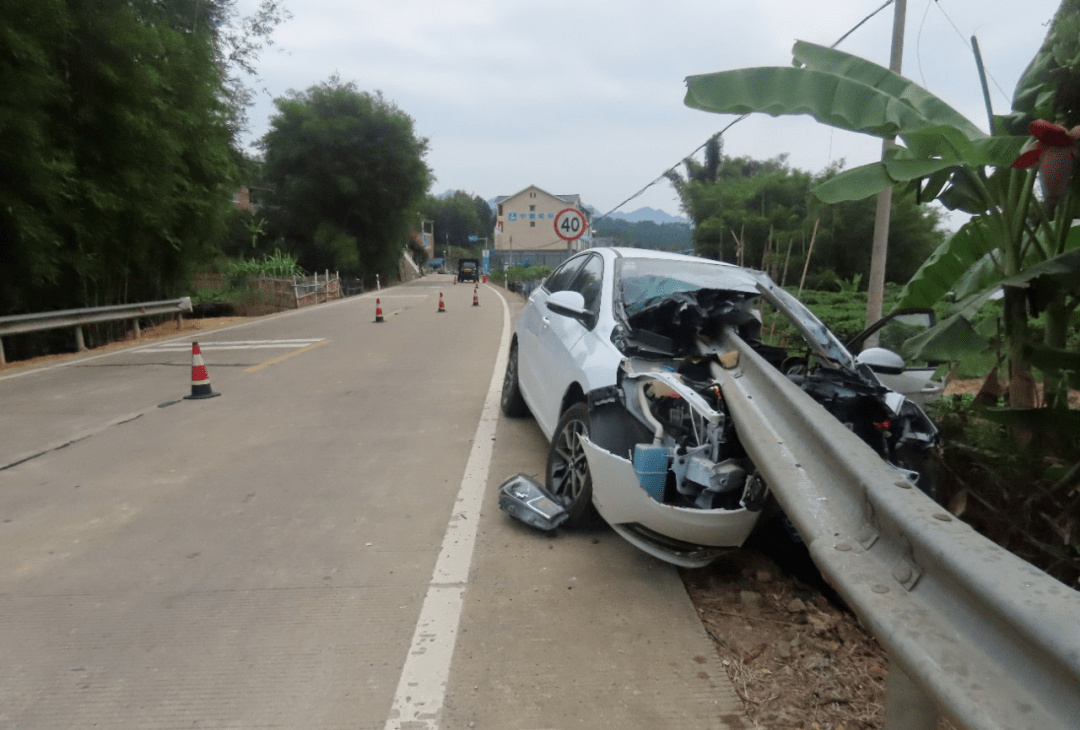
<point>649,253</point>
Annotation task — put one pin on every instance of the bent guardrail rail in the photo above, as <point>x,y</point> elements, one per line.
<point>21,323</point>
<point>972,631</point>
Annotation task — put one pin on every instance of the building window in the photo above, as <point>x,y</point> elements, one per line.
<point>532,224</point>
<point>532,207</point>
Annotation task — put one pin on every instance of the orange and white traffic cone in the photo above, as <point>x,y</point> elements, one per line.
<point>200,381</point>
<point>442,307</point>
<point>475,297</point>
<point>378,310</point>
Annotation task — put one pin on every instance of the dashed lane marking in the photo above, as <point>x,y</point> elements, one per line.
<point>286,356</point>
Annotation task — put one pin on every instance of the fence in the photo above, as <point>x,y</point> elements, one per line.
<point>499,258</point>
<point>308,290</point>
<point>38,322</point>
<point>264,295</point>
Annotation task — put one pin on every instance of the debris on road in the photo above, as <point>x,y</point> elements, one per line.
<point>525,499</point>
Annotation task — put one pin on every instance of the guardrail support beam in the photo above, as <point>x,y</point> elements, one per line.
<point>906,706</point>
<point>80,343</point>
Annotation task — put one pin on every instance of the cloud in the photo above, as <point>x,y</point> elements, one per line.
<point>586,97</point>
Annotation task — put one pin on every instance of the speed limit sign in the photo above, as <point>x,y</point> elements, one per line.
<point>570,224</point>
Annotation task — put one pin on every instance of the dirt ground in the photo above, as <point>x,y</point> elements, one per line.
<point>798,660</point>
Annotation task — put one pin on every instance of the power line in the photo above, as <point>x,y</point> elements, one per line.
<point>721,132</point>
<point>967,44</point>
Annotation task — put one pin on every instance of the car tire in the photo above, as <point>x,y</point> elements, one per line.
<point>512,402</point>
<point>567,476</point>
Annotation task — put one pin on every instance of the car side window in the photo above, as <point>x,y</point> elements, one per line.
<point>589,281</point>
<point>561,278</point>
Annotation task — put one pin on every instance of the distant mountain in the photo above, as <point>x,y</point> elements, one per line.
<point>649,214</point>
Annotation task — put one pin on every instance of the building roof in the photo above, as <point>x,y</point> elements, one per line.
<point>573,199</point>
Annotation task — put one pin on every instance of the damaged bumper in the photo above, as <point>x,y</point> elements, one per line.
<point>667,470</point>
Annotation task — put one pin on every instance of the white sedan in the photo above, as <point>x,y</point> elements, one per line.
<point>615,356</point>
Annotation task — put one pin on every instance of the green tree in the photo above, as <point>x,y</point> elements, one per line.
<point>118,165</point>
<point>347,174</point>
<point>761,213</point>
<point>457,217</point>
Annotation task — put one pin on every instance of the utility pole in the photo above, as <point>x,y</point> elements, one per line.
<point>876,286</point>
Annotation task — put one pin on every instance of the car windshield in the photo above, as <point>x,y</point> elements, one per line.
<point>642,281</point>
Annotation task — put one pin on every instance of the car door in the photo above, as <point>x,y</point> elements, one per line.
<point>559,358</point>
<point>529,328</point>
<point>914,379</point>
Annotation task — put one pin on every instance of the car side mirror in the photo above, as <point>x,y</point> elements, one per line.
<point>881,360</point>
<point>569,304</point>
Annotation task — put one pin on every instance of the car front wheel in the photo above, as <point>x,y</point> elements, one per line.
<point>512,402</point>
<point>568,477</point>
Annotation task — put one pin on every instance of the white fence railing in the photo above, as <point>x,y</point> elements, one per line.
<point>972,631</point>
<point>21,323</point>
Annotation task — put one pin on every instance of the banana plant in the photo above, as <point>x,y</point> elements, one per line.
<point>946,157</point>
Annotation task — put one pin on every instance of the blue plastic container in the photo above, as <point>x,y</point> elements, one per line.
<point>651,466</point>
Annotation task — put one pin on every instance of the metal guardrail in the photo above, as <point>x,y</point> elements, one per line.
<point>38,322</point>
<point>972,631</point>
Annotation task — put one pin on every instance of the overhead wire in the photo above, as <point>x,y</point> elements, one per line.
<point>686,158</point>
<point>967,43</point>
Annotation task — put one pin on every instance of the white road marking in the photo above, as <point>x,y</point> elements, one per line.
<point>373,295</point>
<point>237,345</point>
<point>421,690</point>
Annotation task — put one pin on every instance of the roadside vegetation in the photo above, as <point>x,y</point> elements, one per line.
<point>1016,442</point>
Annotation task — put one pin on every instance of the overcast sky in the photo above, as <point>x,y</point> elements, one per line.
<point>586,97</point>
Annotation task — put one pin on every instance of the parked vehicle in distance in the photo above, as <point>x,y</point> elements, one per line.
<point>621,355</point>
<point>468,270</point>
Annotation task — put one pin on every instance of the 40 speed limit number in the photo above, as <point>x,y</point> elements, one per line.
<point>570,224</point>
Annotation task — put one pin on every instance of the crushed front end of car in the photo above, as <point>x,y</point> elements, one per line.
<point>669,471</point>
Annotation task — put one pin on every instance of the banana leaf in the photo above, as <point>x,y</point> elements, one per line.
<point>929,107</point>
<point>1039,420</point>
<point>952,262</point>
<point>1063,270</point>
<point>869,180</point>
<point>828,98</point>
<point>1052,359</point>
<point>950,340</point>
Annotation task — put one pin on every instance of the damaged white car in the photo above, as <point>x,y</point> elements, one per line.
<point>618,356</point>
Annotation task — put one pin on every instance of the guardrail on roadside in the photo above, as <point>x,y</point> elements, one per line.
<point>21,323</point>
<point>972,631</point>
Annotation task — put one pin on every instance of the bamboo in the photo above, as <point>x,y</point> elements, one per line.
<point>809,253</point>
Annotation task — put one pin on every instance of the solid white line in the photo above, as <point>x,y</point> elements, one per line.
<point>421,690</point>
<point>252,345</point>
<point>373,295</point>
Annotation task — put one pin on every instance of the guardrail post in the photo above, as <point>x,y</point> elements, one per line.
<point>2,360</point>
<point>906,706</point>
<point>138,332</point>
<point>80,343</point>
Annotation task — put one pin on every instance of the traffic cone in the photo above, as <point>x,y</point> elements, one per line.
<point>442,307</point>
<point>475,297</point>
<point>378,310</point>
<point>200,381</point>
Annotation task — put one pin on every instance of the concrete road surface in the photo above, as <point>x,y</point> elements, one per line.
<point>321,545</point>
